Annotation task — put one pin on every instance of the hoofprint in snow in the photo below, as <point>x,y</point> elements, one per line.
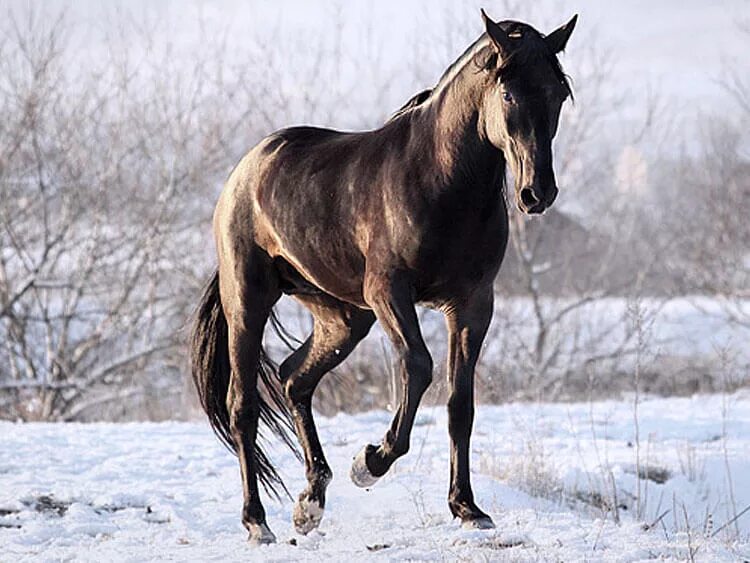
<point>554,477</point>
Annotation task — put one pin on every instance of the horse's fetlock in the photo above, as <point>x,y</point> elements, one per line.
<point>320,473</point>
<point>400,449</point>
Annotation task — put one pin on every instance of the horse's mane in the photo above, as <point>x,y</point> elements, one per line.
<point>470,55</point>
<point>414,101</point>
<point>531,49</point>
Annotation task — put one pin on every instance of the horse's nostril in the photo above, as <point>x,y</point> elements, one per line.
<point>528,198</point>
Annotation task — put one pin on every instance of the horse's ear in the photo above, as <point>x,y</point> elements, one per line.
<point>499,38</point>
<point>557,40</point>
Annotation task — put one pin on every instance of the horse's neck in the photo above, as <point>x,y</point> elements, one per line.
<point>462,153</point>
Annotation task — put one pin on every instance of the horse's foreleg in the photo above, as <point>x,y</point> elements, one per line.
<point>467,327</point>
<point>337,330</point>
<point>391,298</point>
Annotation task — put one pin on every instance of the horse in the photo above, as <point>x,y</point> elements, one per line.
<point>363,226</point>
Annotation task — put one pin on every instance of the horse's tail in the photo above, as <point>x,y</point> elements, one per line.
<point>211,373</point>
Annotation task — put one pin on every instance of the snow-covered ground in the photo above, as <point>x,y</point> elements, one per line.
<point>545,472</point>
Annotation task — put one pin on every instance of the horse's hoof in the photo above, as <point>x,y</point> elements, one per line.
<point>261,534</point>
<point>307,515</point>
<point>360,474</point>
<point>481,523</point>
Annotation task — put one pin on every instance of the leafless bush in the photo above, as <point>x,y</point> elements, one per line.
<point>101,175</point>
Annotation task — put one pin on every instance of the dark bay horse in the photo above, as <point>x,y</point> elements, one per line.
<point>360,227</point>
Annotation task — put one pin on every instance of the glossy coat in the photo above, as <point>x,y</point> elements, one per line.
<point>360,227</point>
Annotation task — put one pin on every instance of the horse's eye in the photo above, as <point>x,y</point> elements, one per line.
<point>507,96</point>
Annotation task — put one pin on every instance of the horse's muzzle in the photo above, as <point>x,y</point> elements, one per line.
<point>531,203</point>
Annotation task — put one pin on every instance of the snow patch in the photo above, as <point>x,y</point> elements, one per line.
<point>559,480</point>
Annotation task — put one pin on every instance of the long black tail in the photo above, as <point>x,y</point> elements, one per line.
<point>211,371</point>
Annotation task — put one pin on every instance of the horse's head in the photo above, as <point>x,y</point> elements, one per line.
<point>521,105</point>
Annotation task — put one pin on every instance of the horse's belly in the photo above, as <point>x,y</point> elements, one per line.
<point>324,263</point>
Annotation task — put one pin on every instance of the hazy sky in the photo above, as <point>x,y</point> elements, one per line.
<point>678,47</point>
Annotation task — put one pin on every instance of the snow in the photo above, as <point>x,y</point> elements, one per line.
<point>169,491</point>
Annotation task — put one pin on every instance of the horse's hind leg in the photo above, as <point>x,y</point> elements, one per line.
<point>249,289</point>
<point>337,329</point>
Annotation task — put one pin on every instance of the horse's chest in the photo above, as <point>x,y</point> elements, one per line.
<point>464,253</point>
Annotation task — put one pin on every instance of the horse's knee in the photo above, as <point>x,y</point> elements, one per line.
<point>419,366</point>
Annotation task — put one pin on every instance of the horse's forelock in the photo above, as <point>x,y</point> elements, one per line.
<point>533,50</point>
